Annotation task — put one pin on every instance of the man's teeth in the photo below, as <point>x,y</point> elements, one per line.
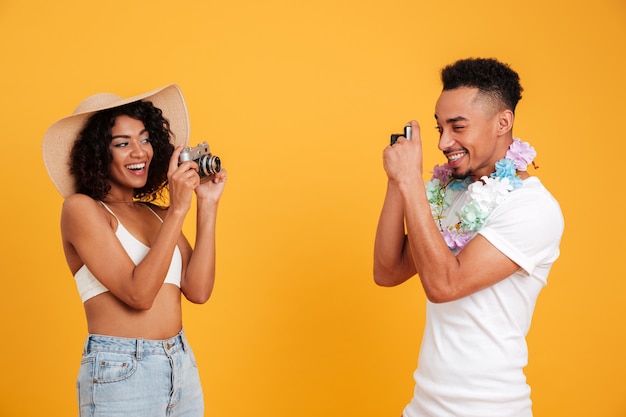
<point>455,156</point>
<point>136,166</point>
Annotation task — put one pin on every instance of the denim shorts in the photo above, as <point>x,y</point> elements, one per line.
<point>139,378</point>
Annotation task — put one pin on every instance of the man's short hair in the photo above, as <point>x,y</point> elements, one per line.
<point>488,75</point>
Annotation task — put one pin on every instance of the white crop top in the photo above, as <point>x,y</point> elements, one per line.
<point>89,286</point>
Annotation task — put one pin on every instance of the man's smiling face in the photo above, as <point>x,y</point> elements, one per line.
<point>467,121</point>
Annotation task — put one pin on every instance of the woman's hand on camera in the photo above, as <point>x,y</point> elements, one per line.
<point>211,189</point>
<point>183,180</point>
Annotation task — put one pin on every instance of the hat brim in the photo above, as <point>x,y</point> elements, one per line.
<point>60,137</point>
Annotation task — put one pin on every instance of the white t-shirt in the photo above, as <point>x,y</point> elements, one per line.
<point>474,349</point>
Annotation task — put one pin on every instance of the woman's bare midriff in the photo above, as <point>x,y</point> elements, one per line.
<point>107,315</point>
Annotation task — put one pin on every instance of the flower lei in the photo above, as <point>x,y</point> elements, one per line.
<point>483,196</point>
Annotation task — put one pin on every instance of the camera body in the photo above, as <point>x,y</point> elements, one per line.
<point>407,134</point>
<point>208,163</point>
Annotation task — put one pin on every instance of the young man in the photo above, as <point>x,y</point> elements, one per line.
<point>482,236</point>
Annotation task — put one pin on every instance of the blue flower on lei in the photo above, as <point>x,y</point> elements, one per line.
<point>505,168</point>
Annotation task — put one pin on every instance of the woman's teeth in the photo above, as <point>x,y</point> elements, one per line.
<point>136,166</point>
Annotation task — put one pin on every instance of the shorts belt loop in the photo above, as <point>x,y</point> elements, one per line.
<point>86,347</point>
<point>183,339</point>
<point>139,351</point>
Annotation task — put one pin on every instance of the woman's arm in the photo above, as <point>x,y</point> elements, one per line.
<point>87,231</point>
<point>199,274</point>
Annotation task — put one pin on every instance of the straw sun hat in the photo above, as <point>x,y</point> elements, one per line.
<point>60,137</point>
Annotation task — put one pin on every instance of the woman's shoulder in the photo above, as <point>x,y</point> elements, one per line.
<point>77,201</point>
<point>81,212</point>
<point>80,206</point>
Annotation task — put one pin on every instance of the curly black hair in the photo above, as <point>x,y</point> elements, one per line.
<point>488,75</point>
<point>91,157</point>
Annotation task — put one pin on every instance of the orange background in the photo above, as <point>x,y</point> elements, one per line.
<point>298,99</point>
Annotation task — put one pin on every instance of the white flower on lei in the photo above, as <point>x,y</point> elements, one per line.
<point>484,196</point>
<point>490,191</point>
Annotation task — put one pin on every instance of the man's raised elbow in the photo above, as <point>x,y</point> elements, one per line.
<point>380,277</point>
<point>381,280</point>
<point>387,278</point>
<point>441,295</point>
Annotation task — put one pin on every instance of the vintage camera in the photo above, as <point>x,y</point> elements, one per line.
<point>208,164</point>
<point>407,134</point>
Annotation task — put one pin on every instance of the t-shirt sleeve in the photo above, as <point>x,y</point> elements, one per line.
<point>527,227</point>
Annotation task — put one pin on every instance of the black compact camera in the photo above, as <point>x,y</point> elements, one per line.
<point>208,164</point>
<point>407,134</point>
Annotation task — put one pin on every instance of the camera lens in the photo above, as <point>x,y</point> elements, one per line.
<point>209,165</point>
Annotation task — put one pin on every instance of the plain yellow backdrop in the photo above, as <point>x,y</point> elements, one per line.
<point>298,99</point>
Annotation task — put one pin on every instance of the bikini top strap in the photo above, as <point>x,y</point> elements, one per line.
<point>153,212</point>
<point>143,204</point>
<point>109,210</point>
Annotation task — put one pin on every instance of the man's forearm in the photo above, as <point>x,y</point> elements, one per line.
<point>390,264</point>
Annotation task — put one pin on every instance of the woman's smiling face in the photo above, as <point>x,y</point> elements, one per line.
<point>131,152</point>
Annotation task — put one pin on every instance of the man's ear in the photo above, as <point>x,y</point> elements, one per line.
<point>505,121</point>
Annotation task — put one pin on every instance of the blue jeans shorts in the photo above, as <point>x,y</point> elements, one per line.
<point>139,378</point>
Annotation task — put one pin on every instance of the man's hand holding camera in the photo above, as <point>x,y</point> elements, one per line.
<point>402,159</point>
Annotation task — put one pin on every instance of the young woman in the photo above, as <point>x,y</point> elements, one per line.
<point>116,161</point>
